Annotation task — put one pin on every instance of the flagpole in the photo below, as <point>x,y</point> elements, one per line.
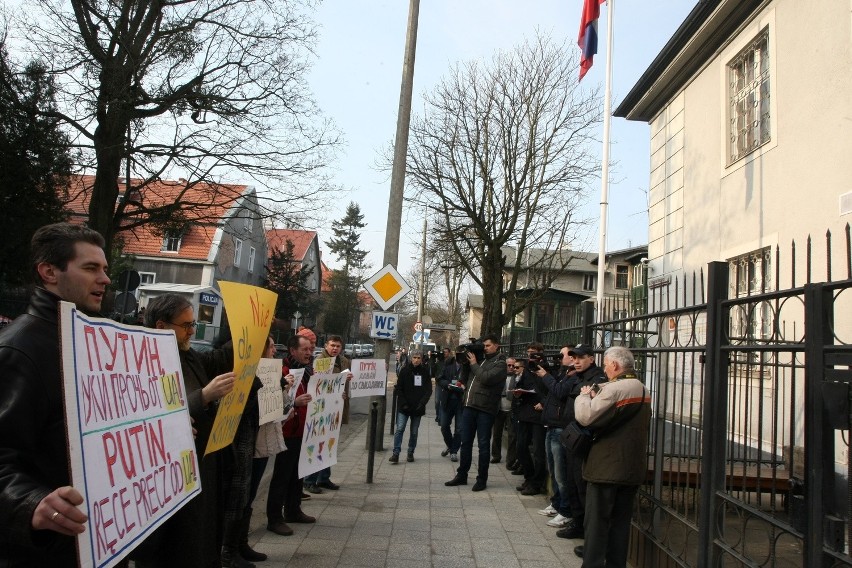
<point>607,113</point>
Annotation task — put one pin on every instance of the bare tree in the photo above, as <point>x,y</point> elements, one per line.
<point>501,156</point>
<point>202,90</point>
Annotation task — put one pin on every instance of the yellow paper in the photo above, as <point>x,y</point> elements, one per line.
<point>250,310</point>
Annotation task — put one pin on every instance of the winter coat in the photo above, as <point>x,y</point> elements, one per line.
<point>485,383</point>
<point>413,393</point>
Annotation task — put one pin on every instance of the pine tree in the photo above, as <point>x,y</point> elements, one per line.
<point>35,166</point>
<point>342,303</point>
<point>288,278</point>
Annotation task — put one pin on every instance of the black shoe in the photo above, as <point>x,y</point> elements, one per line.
<point>300,517</point>
<point>578,550</point>
<point>329,485</point>
<point>456,481</point>
<point>230,558</point>
<point>445,453</point>
<point>530,490</point>
<point>574,529</point>
<point>279,527</point>
<point>306,496</point>
<point>518,471</point>
<point>478,486</point>
<point>496,459</point>
<point>394,458</point>
<point>410,457</point>
<point>250,554</point>
<point>522,486</point>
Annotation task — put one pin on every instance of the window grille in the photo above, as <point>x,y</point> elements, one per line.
<point>748,79</point>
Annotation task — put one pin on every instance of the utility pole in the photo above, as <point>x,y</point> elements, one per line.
<point>421,297</point>
<point>394,222</point>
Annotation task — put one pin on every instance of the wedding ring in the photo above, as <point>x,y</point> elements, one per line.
<point>54,515</point>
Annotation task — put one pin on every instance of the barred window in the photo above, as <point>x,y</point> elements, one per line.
<point>748,80</point>
<point>751,274</point>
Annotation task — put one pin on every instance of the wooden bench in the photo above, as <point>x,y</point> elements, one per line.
<point>686,472</point>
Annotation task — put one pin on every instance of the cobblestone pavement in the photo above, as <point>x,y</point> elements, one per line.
<point>407,518</point>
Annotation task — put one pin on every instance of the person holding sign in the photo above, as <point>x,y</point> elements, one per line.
<point>413,390</point>
<point>39,514</point>
<point>285,487</point>
<point>191,537</point>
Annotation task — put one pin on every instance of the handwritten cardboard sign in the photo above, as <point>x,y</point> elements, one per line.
<point>270,397</point>
<point>249,315</point>
<point>129,436</point>
<point>369,378</point>
<point>322,424</point>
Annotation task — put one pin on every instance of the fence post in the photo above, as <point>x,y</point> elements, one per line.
<point>587,321</point>
<point>819,445</point>
<point>371,456</point>
<point>714,427</point>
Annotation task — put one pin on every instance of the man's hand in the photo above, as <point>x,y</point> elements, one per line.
<point>589,390</point>
<point>538,407</point>
<point>471,358</point>
<point>289,379</point>
<point>303,399</point>
<point>218,387</point>
<point>541,372</point>
<point>58,512</point>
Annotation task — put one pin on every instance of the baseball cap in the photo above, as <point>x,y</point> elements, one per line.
<point>581,350</point>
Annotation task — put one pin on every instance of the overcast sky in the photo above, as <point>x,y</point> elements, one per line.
<point>356,79</point>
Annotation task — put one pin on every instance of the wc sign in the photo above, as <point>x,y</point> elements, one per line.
<point>384,325</point>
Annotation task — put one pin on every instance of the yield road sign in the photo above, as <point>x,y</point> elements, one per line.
<point>384,325</point>
<point>386,287</point>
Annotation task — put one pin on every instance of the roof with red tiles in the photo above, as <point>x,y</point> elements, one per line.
<point>275,239</point>
<point>202,206</point>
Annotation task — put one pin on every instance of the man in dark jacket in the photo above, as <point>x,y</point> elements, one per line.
<point>39,517</point>
<point>587,373</point>
<point>556,386</point>
<point>413,389</point>
<point>530,444</point>
<point>619,413</point>
<point>484,384</point>
<point>451,390</point>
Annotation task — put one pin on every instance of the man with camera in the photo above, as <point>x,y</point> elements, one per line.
<point>484,382</point>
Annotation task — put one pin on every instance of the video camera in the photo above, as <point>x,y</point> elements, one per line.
<point>478,350</point>
<point>537,360</point>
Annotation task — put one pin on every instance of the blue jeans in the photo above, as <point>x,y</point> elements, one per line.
<point>453,408</point>
<point>401,420</point>
<point>321,476</point>
<point>475,423</point>
<point>557,466</point>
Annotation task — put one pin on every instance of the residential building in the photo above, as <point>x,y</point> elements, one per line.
<point>216,235</point>
<point>573,284</point>
<point>749,144</point>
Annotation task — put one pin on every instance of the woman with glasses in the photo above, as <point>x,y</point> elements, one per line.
<point>191,536</point>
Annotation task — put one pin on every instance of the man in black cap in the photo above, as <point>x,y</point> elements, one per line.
<point>587,374</point>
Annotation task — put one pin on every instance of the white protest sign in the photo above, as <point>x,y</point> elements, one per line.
<point>129,437</point>
<point>270,397</point>
<point>369,378</point>
<point>322,423</point>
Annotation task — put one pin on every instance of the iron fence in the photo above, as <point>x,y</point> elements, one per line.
<point>748,459</point>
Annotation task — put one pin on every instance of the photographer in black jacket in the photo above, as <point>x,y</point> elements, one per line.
<point>530,444</point>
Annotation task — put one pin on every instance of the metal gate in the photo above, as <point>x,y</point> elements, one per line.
<point>748,459</point>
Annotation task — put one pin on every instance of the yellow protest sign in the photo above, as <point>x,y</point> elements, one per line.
<point>250,310</point>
